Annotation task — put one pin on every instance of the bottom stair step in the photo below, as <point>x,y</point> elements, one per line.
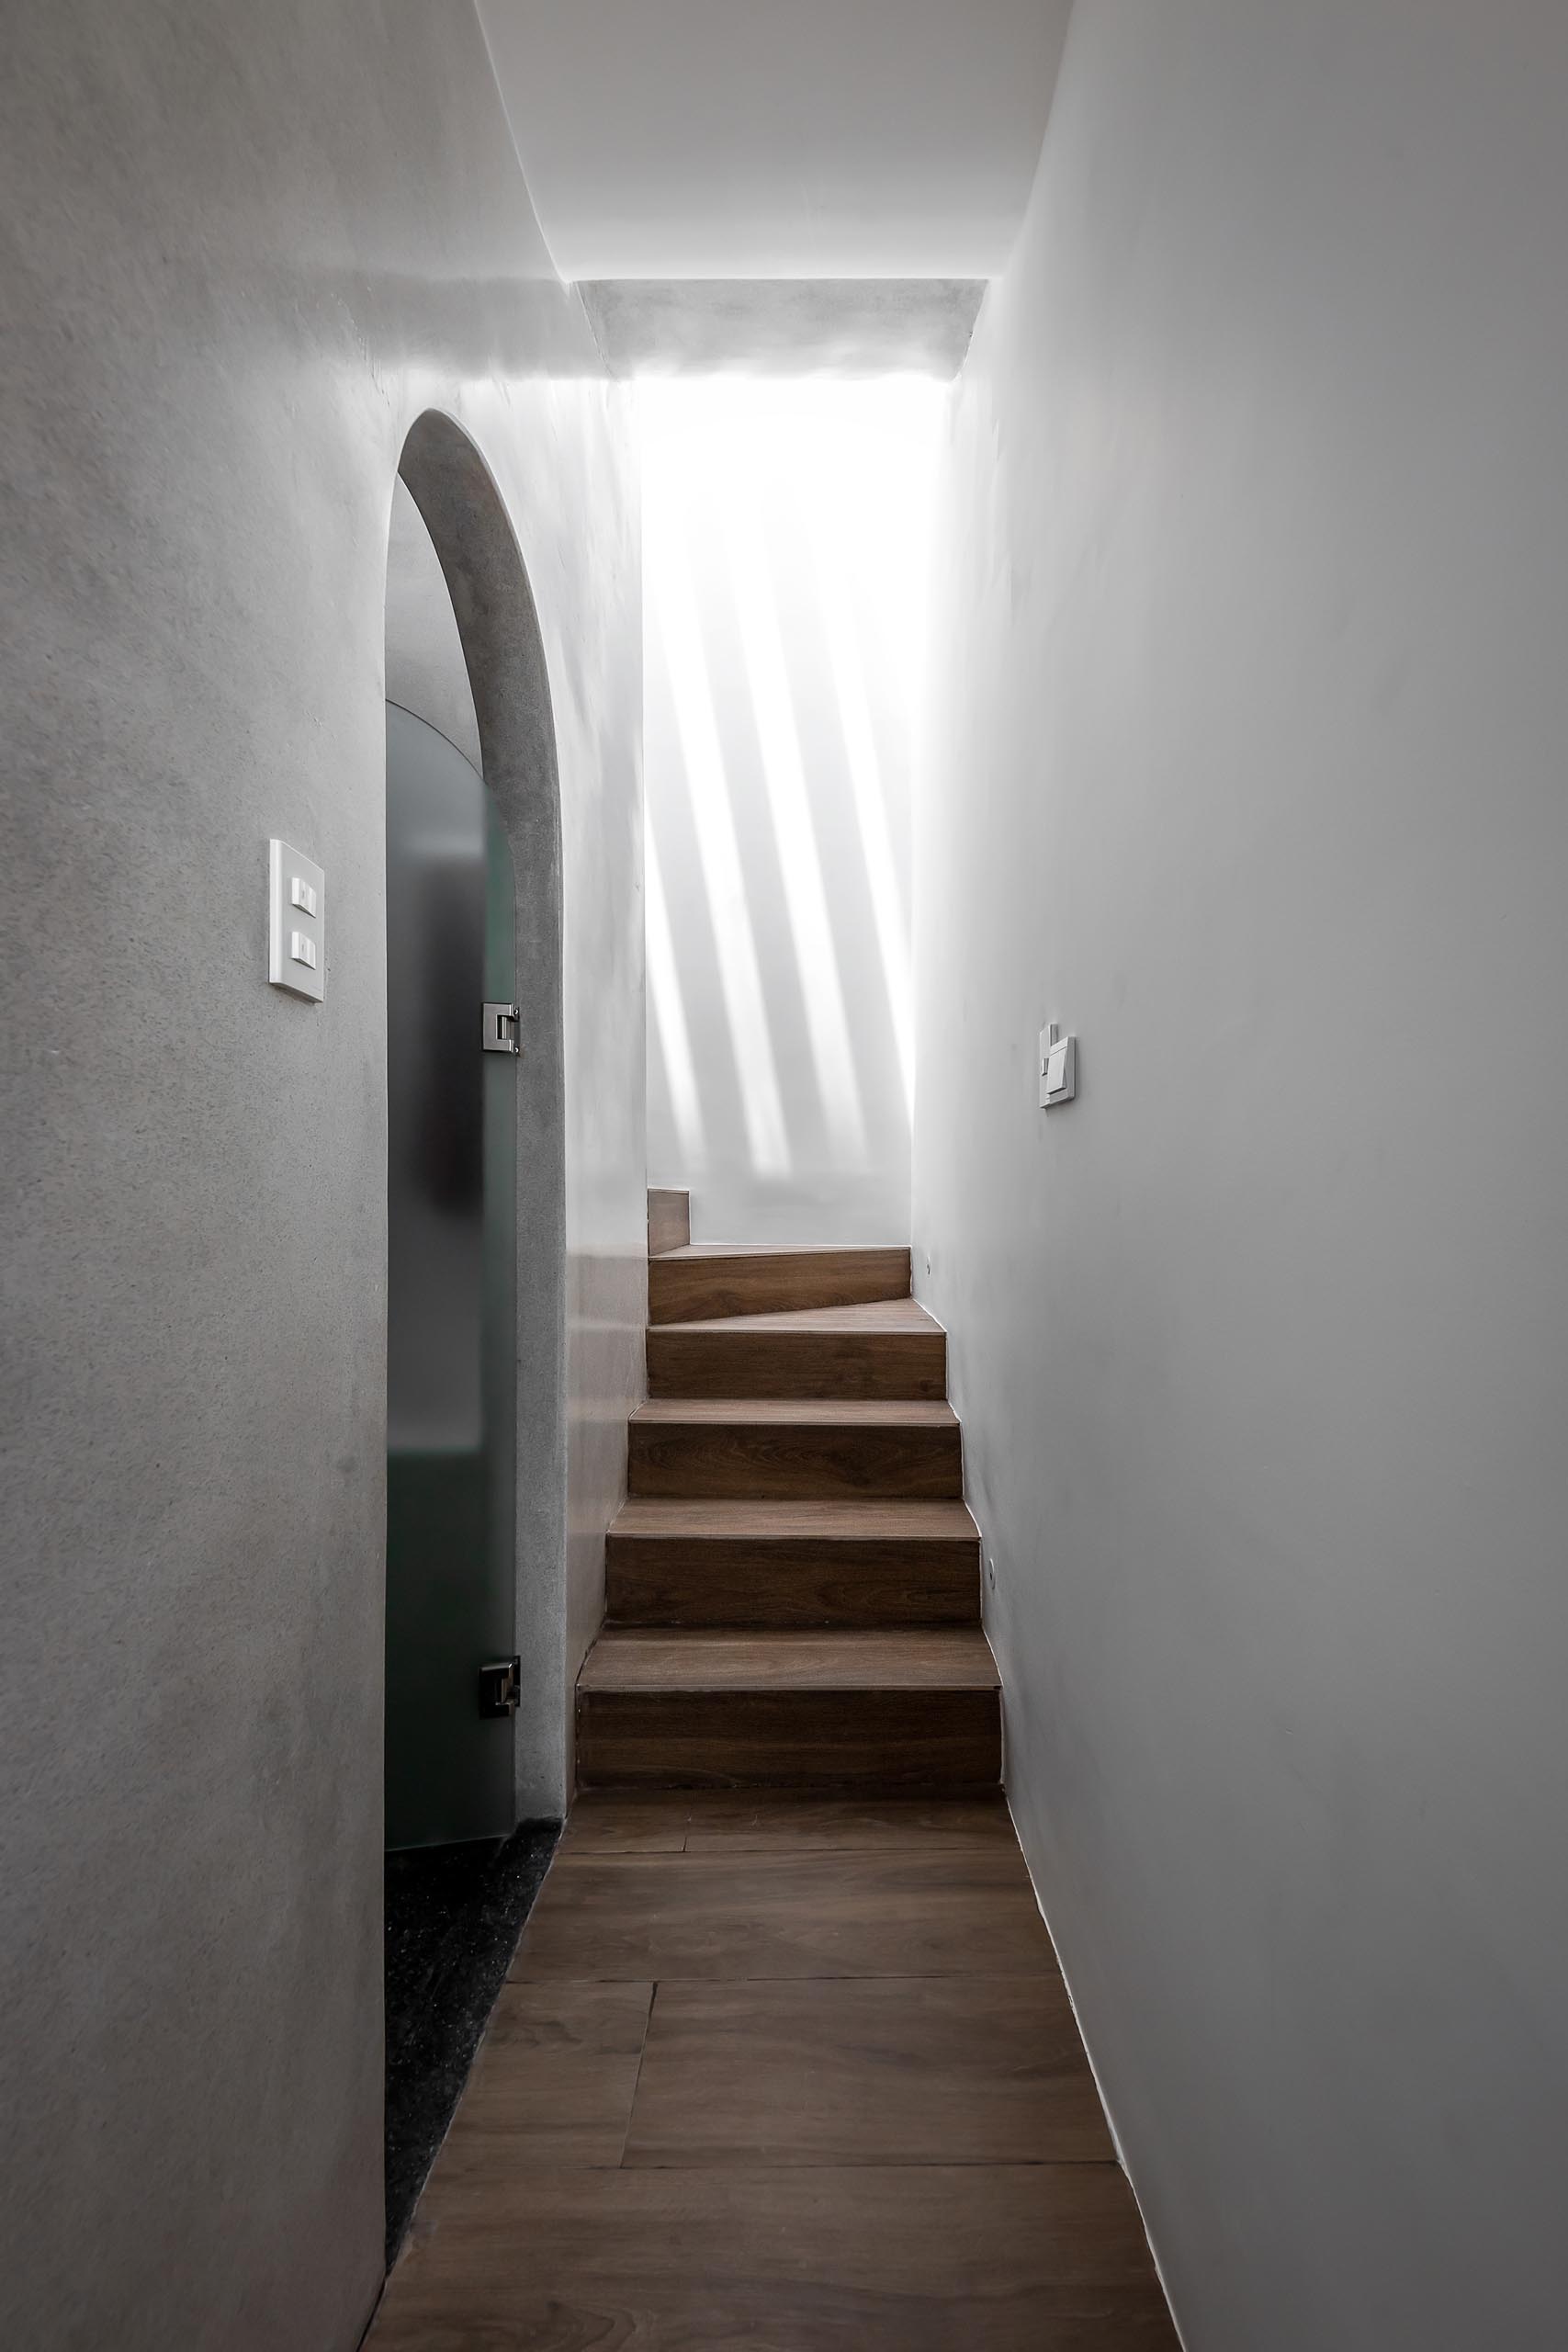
<point>868,1711</point>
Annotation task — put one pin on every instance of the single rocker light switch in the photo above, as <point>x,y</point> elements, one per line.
<point>1059,1067</point>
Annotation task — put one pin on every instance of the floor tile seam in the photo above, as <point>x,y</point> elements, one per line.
<point>736,2161</point>
<point>989,1850</point>
<point>825,1852</point>
<point>745,1628</point>
<point>550,2166</point>
<point>821,1976</point>
<point>641,2063</point>
<point>554,2165</point>
<point>768,1929</point>
<point>750,1854</point>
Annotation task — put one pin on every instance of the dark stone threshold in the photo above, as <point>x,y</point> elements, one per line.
<point>454,1915</point>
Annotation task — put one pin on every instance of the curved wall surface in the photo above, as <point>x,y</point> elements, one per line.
<point>425,671</point>
<point>245,250</point>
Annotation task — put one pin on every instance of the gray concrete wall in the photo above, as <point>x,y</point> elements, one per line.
<point>1248,767</point>
<point>242,250</point>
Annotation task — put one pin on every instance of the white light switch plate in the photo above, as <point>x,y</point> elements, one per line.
<point>297,923</point>
<point>1059,1067</point>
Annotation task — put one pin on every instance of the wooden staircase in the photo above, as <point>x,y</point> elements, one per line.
<point>793,1588</point>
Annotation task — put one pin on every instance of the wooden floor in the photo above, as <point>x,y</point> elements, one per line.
<point>774,2072</point>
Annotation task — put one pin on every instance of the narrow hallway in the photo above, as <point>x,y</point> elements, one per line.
<point>783,2072</point>
<point>784,2057</point>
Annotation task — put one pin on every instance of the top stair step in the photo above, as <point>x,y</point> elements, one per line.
<point>696,1284</point>
<point>669,1220</point>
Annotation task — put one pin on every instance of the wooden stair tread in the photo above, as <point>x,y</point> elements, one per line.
<point>794,1412</point>
<point>704,1281</point>
<point>868,1320</point>
<point>809,1252</point>
<point>798,1564</point>
<point>796,1522</point>
<point>757,1449</point>
<point>946,1661</point>
<point>886,1348</point>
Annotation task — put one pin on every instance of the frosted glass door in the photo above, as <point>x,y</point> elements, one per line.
<point>451,1352</point>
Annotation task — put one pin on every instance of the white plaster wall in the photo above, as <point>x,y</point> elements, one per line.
<point>1248,766</point>
<point>785,530</point>
<point>243,250</point>
<point>828,138</point>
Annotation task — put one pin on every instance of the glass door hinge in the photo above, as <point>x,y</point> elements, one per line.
<point>500,1681</point>
<point>501,1028</point>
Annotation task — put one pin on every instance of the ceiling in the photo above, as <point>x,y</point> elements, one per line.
<point>777,139</point>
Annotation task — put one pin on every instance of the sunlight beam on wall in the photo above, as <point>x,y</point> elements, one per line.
<point>871,808</point>
<point>784,775</point>
<point>672,601</point>
<point>670,1015</point>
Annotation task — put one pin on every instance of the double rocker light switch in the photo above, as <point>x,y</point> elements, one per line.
<point>296,933</point>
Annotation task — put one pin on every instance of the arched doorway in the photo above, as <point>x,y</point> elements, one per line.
<point>504,656</point>
<point>476,1296</point>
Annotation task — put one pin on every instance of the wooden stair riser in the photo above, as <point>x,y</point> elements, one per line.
<point>794,1584</point>
<point>684,1289</point>
<point>827,1738</point>
<point>683,1361</point>
<point>781,1461</point>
